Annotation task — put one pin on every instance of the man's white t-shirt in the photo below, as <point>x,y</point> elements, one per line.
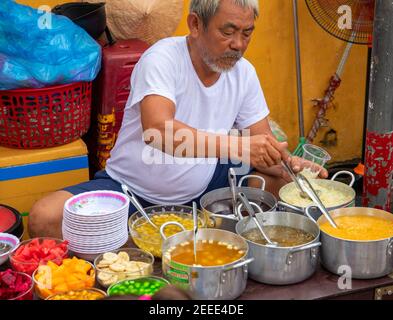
<point>166,69</point>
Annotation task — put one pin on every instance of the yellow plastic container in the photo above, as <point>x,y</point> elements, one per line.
<point>28,175</point>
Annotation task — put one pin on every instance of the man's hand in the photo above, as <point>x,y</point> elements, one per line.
<point>263,151</point>
<point>298,164</point>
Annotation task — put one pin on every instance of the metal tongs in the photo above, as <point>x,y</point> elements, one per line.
<point>233,187</point>
<point>292,174</point>
<point>252,214</point>
<point>306,186</point>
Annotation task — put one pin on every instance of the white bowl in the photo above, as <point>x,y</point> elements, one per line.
<point>97,203</point>
<point>10,240</point>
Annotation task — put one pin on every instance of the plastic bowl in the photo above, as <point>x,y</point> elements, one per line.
<point>77,295</point>
<point>148,238</point>
<point>97,203</point>
<point>11,241</point>
<point>28,294</point>
<point>106,277</point>
<point>43,291</point>
<point>30,266</point>
<point>138,287</point>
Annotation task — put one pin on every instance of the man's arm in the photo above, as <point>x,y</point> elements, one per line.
<point>298,164</point>
<point>157,113</point>
<point>179,139</point>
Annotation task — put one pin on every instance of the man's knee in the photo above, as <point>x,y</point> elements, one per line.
<point>46,214</point>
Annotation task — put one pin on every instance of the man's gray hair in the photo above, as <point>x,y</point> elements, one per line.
<point>206,9</point>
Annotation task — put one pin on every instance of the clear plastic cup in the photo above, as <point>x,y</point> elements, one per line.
<point>317,156</point>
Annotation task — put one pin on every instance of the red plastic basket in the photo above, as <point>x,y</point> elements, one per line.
<point>47,117</point>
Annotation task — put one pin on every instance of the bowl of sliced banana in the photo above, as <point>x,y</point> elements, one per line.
<point>125,263</point>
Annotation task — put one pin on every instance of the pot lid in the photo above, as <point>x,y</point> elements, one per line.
<point>7,219</point>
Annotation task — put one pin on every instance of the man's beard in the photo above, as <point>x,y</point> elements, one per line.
<point>224,63</point>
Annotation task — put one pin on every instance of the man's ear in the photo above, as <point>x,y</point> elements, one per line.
<point>194,24</point>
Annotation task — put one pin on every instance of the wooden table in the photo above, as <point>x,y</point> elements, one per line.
<point>323,285</point>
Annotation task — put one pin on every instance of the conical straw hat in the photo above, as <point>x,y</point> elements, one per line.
<point>148,20</point>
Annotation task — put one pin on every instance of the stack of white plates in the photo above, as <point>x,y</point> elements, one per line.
<point>95,222</point>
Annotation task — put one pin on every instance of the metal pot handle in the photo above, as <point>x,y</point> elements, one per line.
<point>295,250</point>
<point>240,184</point>
<point>223,216</point>
<point>240,206</point>
<point>212,219</point>
<point>289,206</point>
<point>237,265</point>
<point>308,214</point>
<point>212,223</point>
<point>162,228</point>
<point>345,173</point>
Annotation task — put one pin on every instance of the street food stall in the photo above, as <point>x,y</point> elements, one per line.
<point>314,239</point>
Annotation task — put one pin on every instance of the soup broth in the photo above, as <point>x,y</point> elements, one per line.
<point>284,236</point>
<point>360,228</point>
<point>209,253</point>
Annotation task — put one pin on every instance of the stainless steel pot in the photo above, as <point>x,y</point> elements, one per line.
<point>218,206</point>
<point>225,282</point>
<point>366,259</point>
<point>279,265</point>
<point>331,184</point>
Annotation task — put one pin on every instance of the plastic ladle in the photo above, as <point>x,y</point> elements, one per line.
<point>137,205</point>
<point>251,212</point>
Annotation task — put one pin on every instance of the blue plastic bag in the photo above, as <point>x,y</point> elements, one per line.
<point>39,49</point>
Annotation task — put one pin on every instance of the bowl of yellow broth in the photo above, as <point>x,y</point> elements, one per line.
<point>148,238</point>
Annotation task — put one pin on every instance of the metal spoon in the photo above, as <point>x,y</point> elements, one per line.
<point>292,174</point>
<point>251,212</point>
<point>137,205</point>
<point>307,187</point>
<point>233,186</point>
<point>4,248</point>
<point>195,219</point>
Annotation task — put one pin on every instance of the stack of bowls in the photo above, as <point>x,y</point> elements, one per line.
<point>95,222</point>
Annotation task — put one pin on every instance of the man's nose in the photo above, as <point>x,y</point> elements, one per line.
<point>237,42</point>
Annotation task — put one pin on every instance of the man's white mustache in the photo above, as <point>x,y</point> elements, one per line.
<point>232,55</point>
